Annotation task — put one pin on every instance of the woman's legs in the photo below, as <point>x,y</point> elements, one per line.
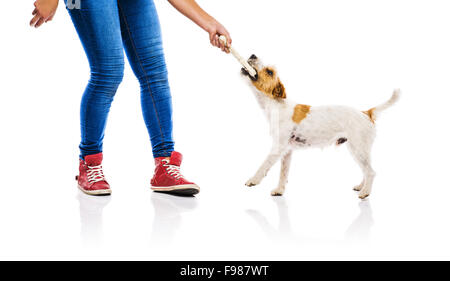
<point>105,27</point>
<point>101,25</point>
<point>98,26</point>
<point>141,36</point>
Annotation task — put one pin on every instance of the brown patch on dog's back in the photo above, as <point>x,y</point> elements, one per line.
<point>370,114</point>
<point>300,112</point>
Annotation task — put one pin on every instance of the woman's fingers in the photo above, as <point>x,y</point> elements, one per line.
<point>34,12</point>
<point>211,38</point>
<point>216,40</point>
<point>40,22</point>
<point>35,19</point>
<point>225,46</point>
<point>229,41</point>
<point>221,46</point>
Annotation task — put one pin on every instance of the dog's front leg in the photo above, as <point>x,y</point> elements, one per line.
<point>265,167</point>
<point>285,164</point>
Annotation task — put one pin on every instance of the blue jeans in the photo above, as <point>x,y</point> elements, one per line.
<point>105,28</point>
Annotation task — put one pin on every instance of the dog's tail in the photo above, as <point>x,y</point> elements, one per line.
<point>374,112</point>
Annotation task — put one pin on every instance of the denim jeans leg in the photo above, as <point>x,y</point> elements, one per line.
<point>141,35</point>
<point>98,26</point>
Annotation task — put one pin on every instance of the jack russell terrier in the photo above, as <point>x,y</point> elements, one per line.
<point>295,126</point>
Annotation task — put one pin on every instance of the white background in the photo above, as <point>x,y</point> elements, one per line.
<point>327,52</point>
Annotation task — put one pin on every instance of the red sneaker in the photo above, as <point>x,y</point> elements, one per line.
<point>168,177</point>
<point>91,179</point>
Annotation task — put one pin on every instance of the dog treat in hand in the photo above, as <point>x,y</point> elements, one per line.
<point>244,62</point>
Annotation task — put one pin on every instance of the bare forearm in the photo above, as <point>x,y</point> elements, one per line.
<point>194,12</point>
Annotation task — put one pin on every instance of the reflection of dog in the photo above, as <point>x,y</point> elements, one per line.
<point>296,126</point>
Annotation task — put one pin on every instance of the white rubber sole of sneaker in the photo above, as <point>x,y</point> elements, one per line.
<point>96,192</point>
<point>185,189</point>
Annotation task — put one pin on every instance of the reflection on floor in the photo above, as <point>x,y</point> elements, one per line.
<point>358,231</point>
<point>168,215</point>
<point>284,230</point>
<point>91,218</point>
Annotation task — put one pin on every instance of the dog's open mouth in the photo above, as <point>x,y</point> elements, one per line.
<point>245,73</point>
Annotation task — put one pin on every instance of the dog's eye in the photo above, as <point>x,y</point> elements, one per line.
<point>269,71</point>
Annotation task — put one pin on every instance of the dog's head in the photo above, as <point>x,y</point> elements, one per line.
<point>266,79</point>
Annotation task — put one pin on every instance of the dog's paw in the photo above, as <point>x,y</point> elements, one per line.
<point>252,182</point>
<point>363,194</point>
<point>358,187</point>
<point>277,192</point>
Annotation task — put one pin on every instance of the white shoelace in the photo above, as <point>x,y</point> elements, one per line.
<point>172,170</point>
<point>95,174</point>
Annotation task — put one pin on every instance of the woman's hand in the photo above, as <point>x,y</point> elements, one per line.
<point>192,10</point>
<point>215,29</point>
<point>44,11</point>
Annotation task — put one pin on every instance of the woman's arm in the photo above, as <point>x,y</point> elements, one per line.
<point>194,12</point>
<point>44,11</point>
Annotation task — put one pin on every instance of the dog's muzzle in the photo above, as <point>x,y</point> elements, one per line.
<point>251,62</point>
<point>245,73</point>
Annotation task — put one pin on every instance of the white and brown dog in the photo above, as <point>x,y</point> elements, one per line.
<point>295,126</point>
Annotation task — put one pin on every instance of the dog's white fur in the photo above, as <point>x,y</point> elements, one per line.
<point>323,126</point>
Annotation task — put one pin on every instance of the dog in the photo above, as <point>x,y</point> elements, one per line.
<point>296,126</point>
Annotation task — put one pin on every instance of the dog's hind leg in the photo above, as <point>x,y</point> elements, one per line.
<point>271,159</point>
<point>362,157</point>
<point>285,164</point>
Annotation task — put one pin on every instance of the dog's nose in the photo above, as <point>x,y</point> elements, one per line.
<point>253,57</point>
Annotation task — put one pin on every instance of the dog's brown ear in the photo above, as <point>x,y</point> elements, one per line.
<point>279,92</point>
